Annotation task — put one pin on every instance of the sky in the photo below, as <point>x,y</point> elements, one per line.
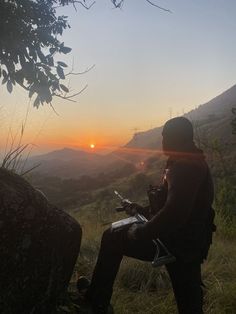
<point>150,65</point>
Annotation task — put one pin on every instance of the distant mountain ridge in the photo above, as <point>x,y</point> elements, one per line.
<point>67,154</point>
<point>220,105</point>
<point>68,163</point>
<point>216,114</point>
<point>211,120</point>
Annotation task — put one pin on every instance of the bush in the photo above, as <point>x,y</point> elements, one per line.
<point>226,198</point>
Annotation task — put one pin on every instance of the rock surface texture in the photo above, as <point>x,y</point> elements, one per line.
<point>39,245</point>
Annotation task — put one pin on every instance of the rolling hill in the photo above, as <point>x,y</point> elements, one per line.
<point>71,163</point>
<point>214,117</point>
<point>212,121</point>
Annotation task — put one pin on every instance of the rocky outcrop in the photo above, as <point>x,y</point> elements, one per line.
<point>39,245</point>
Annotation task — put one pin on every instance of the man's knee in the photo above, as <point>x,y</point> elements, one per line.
<point>114,240</point>
<point>107,237</point>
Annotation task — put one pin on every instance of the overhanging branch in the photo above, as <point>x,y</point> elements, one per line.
<point>70,97</point>
<point>157,6</point>
<point>87,7</point>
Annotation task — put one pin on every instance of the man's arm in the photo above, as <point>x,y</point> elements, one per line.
<point>184,179</point>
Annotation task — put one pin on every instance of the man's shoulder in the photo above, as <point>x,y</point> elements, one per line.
<point>188,166</point>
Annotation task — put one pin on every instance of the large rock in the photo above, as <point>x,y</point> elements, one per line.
<point>39,244</point>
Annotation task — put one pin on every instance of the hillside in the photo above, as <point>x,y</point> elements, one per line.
<point>212,121</point>
<point>213,118</point>
<point>71,163</point>
<point>139,288</point>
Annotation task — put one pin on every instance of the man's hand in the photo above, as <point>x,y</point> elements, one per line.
<point>133,208</point>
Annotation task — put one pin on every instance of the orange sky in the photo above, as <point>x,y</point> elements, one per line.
<point>148,64</point>
<point>74,126</point>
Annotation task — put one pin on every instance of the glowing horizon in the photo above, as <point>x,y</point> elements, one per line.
<point>149,65</point>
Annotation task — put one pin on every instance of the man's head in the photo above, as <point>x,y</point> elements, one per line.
<point>177,135</point>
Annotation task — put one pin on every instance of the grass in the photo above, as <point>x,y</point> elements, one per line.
<point>141,289</point>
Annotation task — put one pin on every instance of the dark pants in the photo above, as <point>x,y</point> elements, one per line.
<point>185,277</point>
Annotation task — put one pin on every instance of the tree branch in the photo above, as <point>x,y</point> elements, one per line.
<point>87,7</point>
<point>51,105</point>
<point>157,6</point>
<point>80,73</point>
<point>74,2</point>
<point>119,4</point>
<point>69,97</point>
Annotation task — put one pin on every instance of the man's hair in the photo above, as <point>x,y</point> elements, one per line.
<point>179,129</point>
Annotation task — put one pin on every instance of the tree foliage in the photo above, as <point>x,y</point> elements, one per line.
<point>233,122</point>
<point>29,39</point>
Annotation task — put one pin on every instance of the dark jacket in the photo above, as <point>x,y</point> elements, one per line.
<point>185,222</point>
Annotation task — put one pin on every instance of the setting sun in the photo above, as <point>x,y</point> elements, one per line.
<point>92,146</point>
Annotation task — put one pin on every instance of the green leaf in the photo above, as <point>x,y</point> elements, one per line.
<point>65,50</point>
<point>51,75</point>
<point>62,64</point>
<point>4,73</point>
<point>4,80</point>
<point>50,61</point>
<point>37,102</point>
<point>55,85</point>
<point>19,77</point>
<point>32,91</point>
<point>13,81</point>
<point>48,99</point>
<point>52,50</point>
<point>64,88</point>
<point>45,95</point>
<point>41,56</point>
<point>11,66</point>
<point>32,53</point>
<point>22,59</point>
<point>9,86</point>
<point>60,72</point>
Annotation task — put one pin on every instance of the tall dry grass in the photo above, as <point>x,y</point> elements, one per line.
<point>139,288</point>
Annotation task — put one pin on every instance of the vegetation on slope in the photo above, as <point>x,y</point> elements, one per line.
<point>140,288</point>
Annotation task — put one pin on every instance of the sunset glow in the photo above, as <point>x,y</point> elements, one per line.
<point>141,78</point>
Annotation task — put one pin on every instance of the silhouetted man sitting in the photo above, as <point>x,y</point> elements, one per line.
<point>184,224</point>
